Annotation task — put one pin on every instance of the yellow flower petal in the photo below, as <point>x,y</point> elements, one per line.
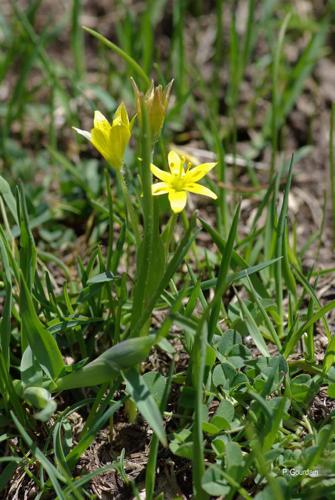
<point>121,115</point>
<point>100,122</point>
<point>159,188</point>
<point>188,157</point>
<point>174,162</point>
<point>119,136</point>
<point>162,175</point>
<point>177,200</point>
<point>199,189</point>
<point>197,173</point>
<point>101,142</point>
<point>84,133</point>
<point>110,140</point>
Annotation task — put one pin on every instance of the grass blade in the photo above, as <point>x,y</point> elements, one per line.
<point>42,343</point>
<point>222,277</point>
<point>280,235</point>
<point>9,198</point>
<point>145,402</point>
<point>295,336</point>
<point>129,60</point>
<point>52,472</point>
<point>198,371</point>
<point>150,473</point>
<point>253,329</point>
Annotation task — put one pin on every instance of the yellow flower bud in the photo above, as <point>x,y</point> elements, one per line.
<point>156,101</point>
<point>110,139</point>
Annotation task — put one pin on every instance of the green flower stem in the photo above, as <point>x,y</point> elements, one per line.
<point>112,309</point>
<point>145,253</point>
<point>130,209</point>
<point>111,218</point>
<point>168,232</point>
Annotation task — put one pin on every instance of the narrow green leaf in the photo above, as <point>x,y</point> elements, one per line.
<point>275,100</point>
<point>42,343</point>
<point>126,57</point>
<point>302,69</point>
<point>236,259</point>
<point>198,371</point>
<point>325,436</point>
<point>27,245</point>
<point>6,193</point>
<point>266,318</point>
<point>79,483</point>
<point>280,234</point>
<point>85,440</point>
<point>222,277</point>
<point>278,414</point>
<point>293,338</point>
<point>52,472</point>
<point>332,166</point>
<point>145,402</point>
<point>309,289</point>
<point>6,327</point>
<point>150,474</point>
<point>44,59</point>
<point>249,271</point>
<point>329,358</point>
<point>253,329</point>
<point>105,277</point>
<point>287,272</point>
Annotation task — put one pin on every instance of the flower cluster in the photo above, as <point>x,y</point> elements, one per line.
<point>111,140</point>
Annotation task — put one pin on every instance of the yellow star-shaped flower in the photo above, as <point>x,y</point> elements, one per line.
<point>110,139</point>
<point>178,182</point>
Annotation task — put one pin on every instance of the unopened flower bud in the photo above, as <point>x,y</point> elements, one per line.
<point>156,101</point>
